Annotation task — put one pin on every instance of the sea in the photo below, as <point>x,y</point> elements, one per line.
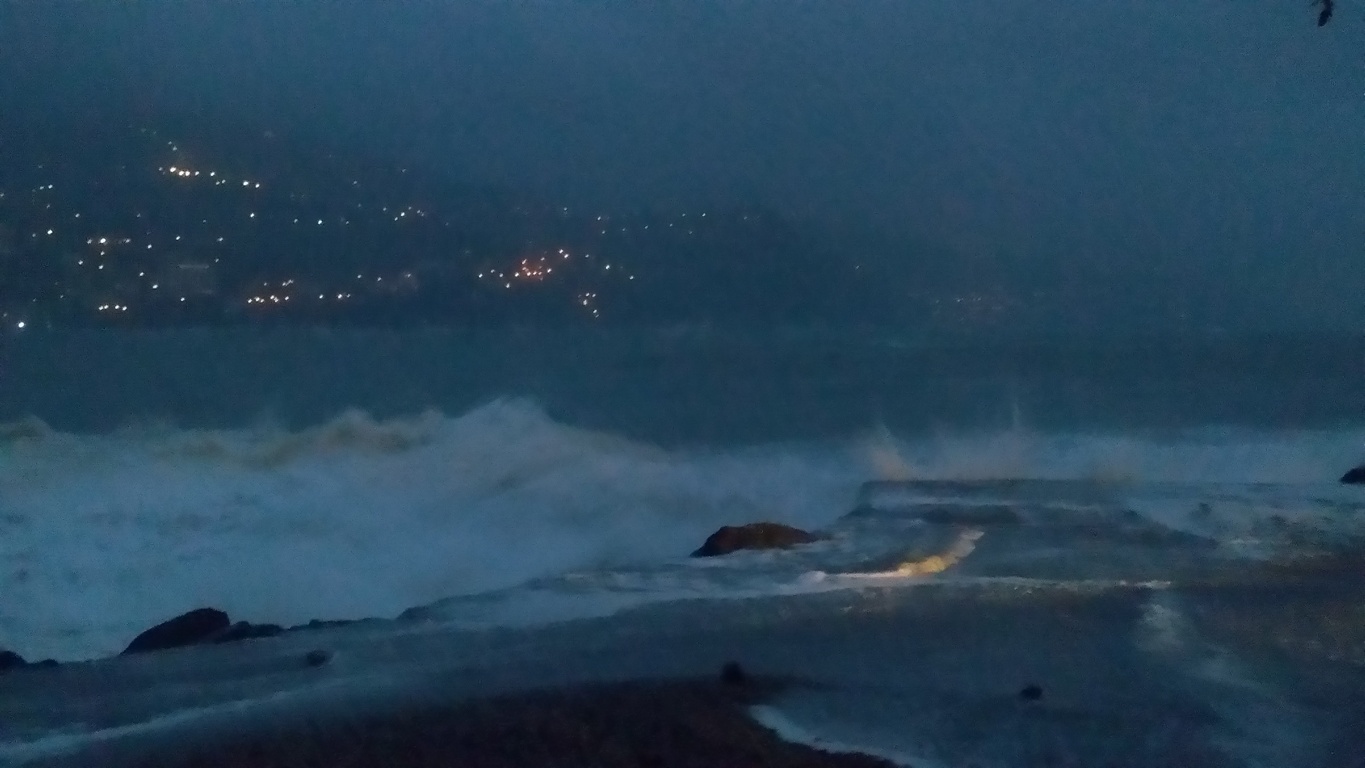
<point>1147,532</point>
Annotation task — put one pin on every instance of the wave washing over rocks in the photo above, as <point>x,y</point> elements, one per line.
<point>517,517</point>
<point>1154,599</point>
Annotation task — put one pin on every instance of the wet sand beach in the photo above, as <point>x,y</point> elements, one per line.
<point>658,724</point>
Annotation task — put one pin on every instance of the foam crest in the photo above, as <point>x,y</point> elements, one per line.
<point>352,432</point>
<point>1205,455</point>
<point>28,429</point>
<point>102,535</point>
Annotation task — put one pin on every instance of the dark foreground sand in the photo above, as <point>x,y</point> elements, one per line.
<point>667,724</point>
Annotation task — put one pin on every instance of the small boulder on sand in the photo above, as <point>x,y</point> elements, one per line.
<point>732,538</point>
<point>1356,476</point>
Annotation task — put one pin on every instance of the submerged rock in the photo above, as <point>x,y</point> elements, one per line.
<point>201,625</point>
<point>732,538</point>
<point>1356,476</point>
<point>317,657</point>
<point>1031,692</point>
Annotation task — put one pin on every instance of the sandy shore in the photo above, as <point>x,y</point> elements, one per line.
<point>659,724</point>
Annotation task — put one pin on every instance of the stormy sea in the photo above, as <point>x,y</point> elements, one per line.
<point>1028,553</point>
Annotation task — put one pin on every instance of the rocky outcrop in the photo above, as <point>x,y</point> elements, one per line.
<point>202,625</point>
<point>732,538</point>
<point>1355,476</point>
<point>245,630</point>
<point>324,624</point>
<point>10,660</point>
<point>205,626</point>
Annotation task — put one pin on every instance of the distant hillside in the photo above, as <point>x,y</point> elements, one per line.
<point>182,220</point>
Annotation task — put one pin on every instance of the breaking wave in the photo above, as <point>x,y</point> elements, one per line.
<point>102,535</point>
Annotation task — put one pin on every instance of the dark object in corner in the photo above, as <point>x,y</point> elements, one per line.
<point>1031,692</point>
<point>317,658</point>
<point>1325,15</point>
<point>1355,476</point>
<point>732,538</point>
<point>733,674</point>
<point>197,626</point>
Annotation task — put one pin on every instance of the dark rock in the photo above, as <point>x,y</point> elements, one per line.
<point>317,658</point>
<point>1031,692</point>
<point>322,624</point>
<point>11,660</point>
<point>732,538</point>
<point>245,630</point>
<point>210,626</point>
<point>1355,476</point>
<point>198,626</point>
<point>733,674</point>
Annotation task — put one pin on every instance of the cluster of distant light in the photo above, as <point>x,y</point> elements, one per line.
<point>284,290</point>
<point>276,299</point>
<point>115,307</point>
<point>187,173</point>
<point>605,221</point>
<point>533,272</point>
<point>533,269</point>
<point>530,270</point>
<point>281,296</point>
<point>403,214</point>
<point>588,300</point>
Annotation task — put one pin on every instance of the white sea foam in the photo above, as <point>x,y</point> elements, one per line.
<point>1206,455</point>
<point>102,535</point>
<point>787,729</point>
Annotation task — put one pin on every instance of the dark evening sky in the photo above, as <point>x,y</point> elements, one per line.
<point>1207,148</point>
